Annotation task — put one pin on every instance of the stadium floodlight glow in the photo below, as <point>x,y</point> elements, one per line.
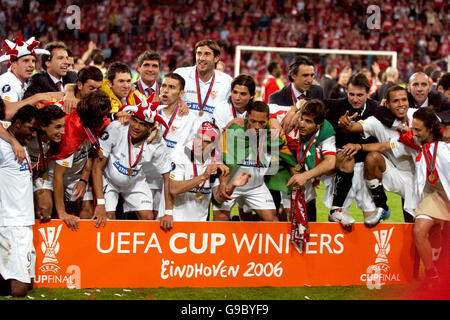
<point>240,48</point>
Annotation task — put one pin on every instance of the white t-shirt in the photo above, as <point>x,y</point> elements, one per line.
<point>373,127</point>
<point>34,150</point>
<point>74,163</point>
<point>16,189</point>
<point>11,88</point>
<point>114,142</point>
<point>186,206</point>
<point>223,114</point>
<point>220,91</point>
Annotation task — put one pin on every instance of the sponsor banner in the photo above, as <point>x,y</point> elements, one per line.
<point>139,254</point>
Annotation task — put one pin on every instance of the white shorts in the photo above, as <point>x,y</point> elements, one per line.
<point>255,199</point>
<point>17,254</point>
<point>400,182</point>
<point>157,198</point>
<point>358,192</point>
<point>41,183</point>
<point>68,192</point>
<point>136,196</point>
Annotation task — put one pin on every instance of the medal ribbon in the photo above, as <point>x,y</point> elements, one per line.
<point>93,138</point>
<point>129,151</point>
<point>301,154</point>
<point>172,118</point>
<point>194,167</point>
<point>431,163</point>
<point>199,94</point>
<point>260,148</point>
<point>233,111</point>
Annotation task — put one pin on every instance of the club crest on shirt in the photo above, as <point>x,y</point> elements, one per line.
<point>104,136</point>
<point>214,94</point>
<point>6,88</point>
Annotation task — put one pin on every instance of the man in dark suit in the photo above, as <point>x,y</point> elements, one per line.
<point>328,81</point>
<point>55,75</point>
<point>301,76</point>
<point>149,67</point>
<point>357,101</point>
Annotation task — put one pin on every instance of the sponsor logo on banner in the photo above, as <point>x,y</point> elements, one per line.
<point>50,269</point>
<point>379,272</point>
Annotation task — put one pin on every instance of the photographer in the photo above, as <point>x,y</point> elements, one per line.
<point>193,179</point>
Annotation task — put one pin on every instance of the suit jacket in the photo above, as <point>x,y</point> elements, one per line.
<point>283,97</point>
<point>435,98</point>
<point>336,108</point>
<point>380,93</point>
<point>41,82</point>
<point>327,84</point>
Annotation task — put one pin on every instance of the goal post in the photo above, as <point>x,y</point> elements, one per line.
<point>239,49</point>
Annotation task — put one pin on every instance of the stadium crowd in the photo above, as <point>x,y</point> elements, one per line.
<point>81,139</point>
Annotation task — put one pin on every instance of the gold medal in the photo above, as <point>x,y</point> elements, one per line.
<point>130,172</point>
<point>200,113</point>
<point>198,195</point>
<point>298,167</point>
<point>431,177</point>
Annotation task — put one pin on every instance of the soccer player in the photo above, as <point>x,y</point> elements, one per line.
<point>248,149</point>
<point>72,166</point>
<point>383,171</point>
<point>242,94</point>
<point>431,184</point>
<point>205,86</point>
<point>124,175</point>
<point>120,90</point>
<point>21,58</point>
<point>51,120</point>
<point>17,253</point>
<point>190,183</point>
<point>180,129</point>
<point>315,139</point>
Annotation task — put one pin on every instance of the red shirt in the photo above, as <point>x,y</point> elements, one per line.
<point>268,87</point>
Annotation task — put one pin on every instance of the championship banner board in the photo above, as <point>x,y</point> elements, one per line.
<point>138,254</point>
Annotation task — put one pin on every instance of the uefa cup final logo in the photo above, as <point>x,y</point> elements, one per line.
<point>377,273</point>
<point>50,244</point>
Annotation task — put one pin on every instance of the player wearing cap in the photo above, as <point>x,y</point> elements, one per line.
<point>21,58</point>
<point>115,174</point>
<point>205,86</point>
<point>193,181</point>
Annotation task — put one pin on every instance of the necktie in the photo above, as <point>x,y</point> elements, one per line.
<point>148,92</point>
<point>301,96</point>
<point>59,84</point>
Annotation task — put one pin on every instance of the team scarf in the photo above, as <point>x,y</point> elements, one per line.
<point>407,139</point>
<point>311,158</point>
<point>300,232</point>
<point>75,135</point>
